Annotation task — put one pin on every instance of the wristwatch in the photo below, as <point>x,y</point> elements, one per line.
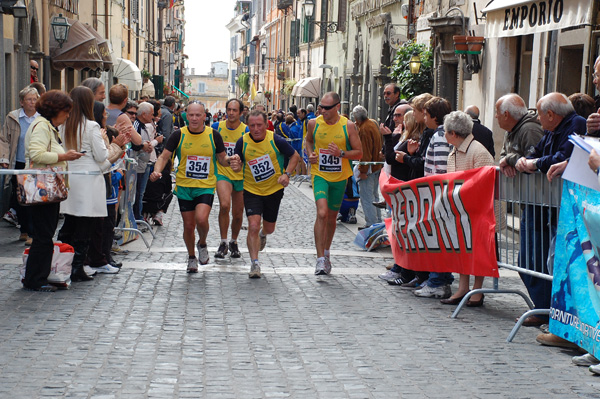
<point>342,153</point>
<point>288,174</point>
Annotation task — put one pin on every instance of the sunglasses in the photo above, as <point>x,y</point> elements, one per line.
<point>327,107</point>
<point>132,112</point>
<point>34,68</point>
<point>397,115</point>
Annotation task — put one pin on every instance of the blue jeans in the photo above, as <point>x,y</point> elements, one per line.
<point>439,279</point>
<point>369,192</point>
<point>140,187</point>
<point>538,226</point>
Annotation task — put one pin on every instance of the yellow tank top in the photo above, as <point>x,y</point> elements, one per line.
<point>330,167</point>
<point>197,159</point>
<point>263,164</point>
<point>230,137</point>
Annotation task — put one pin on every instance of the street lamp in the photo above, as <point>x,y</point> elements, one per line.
<point>60,29</point>
<point>309,8</point>
<point>19,10</point>
<point>414,64</point>
<point>263,49</point>
<point>168,32</point>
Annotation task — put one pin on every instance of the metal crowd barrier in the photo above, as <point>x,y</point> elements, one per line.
<point>524,199</point>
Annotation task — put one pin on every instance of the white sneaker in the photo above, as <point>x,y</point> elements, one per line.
<point>254,270</point>
<point>595,369</point>
<point>585,360</point>
<point>11,217</point>
<point>389,276</point>
<point>322,268</point>
<point>437,292</point>
<point>192,266</point>
<point>89,271</point>
<point>158,218</point>
<point>107,269</point>
<point>203,257</point>
<point>327,265</point>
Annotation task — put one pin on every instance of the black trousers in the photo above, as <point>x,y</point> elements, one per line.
<point>45,220</point>
<point>76,231</point>
<point>101,239</point>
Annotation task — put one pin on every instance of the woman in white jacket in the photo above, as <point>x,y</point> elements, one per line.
<point>87,193</point>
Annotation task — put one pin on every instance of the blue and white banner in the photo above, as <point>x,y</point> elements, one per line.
<point>575,309</point>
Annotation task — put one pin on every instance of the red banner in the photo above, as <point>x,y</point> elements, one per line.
<point>443,223</point>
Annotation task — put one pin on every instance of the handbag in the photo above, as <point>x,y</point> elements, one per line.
<point>41,188</point>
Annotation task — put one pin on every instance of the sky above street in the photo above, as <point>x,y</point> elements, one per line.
<point>206,37</point>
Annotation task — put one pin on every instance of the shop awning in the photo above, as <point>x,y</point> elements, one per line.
<point>102,48</point>
<point>307,87</point>
<point>128,74</point>
<point>80,51</point>
<point>506,18</point>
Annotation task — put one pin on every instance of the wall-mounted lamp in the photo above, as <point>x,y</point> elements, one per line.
<point>415,64</point>
<point>60,29</point>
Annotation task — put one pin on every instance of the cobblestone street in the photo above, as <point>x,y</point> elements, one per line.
<point>153,331</point>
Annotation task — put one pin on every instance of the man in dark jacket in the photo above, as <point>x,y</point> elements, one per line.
<point>523,131</point>
<point>480,132</point>
<point>391,96</point>
<point>165,124</point>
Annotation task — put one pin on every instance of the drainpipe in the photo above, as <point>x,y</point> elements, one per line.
<point>2,70</point>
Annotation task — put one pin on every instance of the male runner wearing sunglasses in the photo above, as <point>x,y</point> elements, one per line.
<point>331,142</point>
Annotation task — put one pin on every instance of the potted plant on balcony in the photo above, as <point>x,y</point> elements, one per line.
<point>281,74</point>
<point>288,86</point>
<point>268,94</point>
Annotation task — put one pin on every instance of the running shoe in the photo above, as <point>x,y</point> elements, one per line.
<point>89,271</point>
<point>222,251</point>
<point>426,291</point>
<point>106,269</point>
<point>192,266</point>
<point>322,268</point>
<point>203,257</point>
<point>233,248</point>
<point>585,360</point>
<point>389,276</point>
<point>11,217</point>
<point>263,241</point>
<point>254,270</point>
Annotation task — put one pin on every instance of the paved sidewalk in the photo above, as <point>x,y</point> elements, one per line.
<point>153,331</point>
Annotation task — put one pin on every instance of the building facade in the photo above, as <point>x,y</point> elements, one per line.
<point>147,35</point>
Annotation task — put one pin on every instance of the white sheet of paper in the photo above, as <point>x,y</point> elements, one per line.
<point>578,170</point>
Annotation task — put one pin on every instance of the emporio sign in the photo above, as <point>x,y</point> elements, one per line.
<point>518,17</point>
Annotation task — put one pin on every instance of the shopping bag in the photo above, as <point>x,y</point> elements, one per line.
<point>372,237</point>
<point>60,269</point>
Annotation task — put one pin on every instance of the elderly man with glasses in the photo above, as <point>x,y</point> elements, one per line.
<point>331,142</point>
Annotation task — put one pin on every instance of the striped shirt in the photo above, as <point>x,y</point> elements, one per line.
<point>436,158</point>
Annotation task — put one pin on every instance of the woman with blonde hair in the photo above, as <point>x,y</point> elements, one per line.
<point>87,193</point>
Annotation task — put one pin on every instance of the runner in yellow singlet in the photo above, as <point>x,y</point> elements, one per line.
<point>331,142</point>
<point>261,159</point>
<point>230,185</point>
<point>198,148</point>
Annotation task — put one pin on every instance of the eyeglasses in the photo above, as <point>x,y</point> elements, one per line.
<point>387,93</point>
<point>595,75</point>
<point>327,107</point>
<point>398,115</point>
<point>34,68</point>
<point>132,113</point>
